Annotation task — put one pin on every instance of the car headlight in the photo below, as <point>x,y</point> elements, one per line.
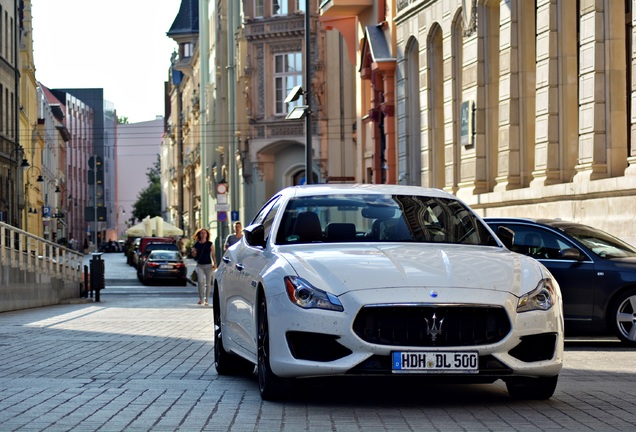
<point>543,297</point>
<point>303,294</point>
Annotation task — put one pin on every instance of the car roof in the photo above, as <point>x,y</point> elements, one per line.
<point>554,223</point>
<point>359,188</point>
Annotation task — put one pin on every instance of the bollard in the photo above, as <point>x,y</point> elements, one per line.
<point>84,289</point>
<point>97,274</point>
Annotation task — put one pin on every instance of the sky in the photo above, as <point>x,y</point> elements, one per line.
<point>119,45</point>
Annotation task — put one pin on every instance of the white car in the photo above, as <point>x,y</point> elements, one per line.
<point>377,280</point>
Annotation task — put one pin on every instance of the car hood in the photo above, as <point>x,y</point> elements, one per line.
<point>342,268</point>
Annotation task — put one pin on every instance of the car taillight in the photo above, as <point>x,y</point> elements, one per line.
<point>153,264</point>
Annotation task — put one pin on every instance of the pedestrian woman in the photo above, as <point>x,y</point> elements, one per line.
<point>203,254</point>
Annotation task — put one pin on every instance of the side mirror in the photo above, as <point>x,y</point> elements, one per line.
<point>570,254</point>
<point>506,235</point>
<point>255,235</point>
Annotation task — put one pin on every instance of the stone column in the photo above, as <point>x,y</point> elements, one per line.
<point>603,127</point>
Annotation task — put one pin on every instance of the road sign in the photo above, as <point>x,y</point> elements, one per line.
<point>234,216</point>
<point>221,216</point>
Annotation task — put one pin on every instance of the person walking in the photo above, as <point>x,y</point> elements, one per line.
<point>234,238</point>
<point>206,263</point>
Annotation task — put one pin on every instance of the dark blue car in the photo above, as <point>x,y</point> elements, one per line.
<point>595,270</point>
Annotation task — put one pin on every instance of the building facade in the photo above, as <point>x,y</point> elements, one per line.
<point>137,150</point>
<point>12,153</point>
<point>521,108</point>
<point>229,145</point>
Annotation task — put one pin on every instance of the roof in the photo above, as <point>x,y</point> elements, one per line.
<point>366,188</point>
<point>187,20</point>
<point>376,45</point>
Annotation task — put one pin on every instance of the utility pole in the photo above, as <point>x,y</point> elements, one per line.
<point>309,157</point>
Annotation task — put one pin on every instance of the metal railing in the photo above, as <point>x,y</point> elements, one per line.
<point>27,252</point>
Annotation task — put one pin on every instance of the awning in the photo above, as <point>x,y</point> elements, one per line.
<point>154,227</point>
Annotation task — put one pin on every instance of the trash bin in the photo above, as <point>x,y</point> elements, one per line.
<point>97,274</point>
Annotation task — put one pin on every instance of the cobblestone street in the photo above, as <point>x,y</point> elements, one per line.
<point>142,359</point>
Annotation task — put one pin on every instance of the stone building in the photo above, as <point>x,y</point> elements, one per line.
<point>521,108</point>
<point>226,110</point>
<point>12,153</point>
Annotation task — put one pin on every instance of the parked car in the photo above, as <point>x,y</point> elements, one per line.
<point>109,246</point>
<point>384,281</point>
<point>139,246</point>
<point>132,250</point>
<point>164,265</point>
<point>595,270</point>
<point>149,247</point>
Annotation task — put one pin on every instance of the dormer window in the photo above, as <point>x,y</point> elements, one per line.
<point>186,50</point>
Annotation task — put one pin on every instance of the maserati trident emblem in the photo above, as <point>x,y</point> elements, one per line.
<point>434,327</point>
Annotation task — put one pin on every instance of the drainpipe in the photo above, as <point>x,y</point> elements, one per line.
<point>232,24</point>
<point>204,52</point>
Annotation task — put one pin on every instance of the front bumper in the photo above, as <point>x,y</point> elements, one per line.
<point>308,343</point>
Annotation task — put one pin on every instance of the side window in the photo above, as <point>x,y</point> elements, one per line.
<point>262,213</point>
<point>266,215</point>
<point>269,218</point>
<point>537,242</point>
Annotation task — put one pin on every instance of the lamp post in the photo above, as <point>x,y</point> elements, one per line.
<point>304,111</point>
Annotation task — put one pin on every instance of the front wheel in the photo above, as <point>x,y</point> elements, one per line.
<point>532,388</point>
<point>272,387</point>
<point>623,316</point>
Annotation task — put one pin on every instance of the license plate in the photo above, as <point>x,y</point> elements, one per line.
<point>165,266</point>
<point>435,362</point>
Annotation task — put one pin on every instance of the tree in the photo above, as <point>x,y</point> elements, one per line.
<point>149,199</point>
<point>122,120</point>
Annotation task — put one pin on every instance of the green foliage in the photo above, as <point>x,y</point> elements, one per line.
<point>122,120</point>
<point>149,199</point>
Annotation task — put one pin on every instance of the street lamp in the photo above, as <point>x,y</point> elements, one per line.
<point>299,112</point>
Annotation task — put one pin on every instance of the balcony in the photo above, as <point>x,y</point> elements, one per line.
<point>334,8</point>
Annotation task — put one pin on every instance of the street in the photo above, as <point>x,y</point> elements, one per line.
<point>142,359</point>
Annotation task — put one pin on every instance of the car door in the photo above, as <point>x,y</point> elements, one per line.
<point>248,262</point>
<point>576,278</point>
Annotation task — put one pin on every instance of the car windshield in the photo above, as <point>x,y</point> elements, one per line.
<point>600,242</point>
<point>163,255</point>
<point>380,218</point>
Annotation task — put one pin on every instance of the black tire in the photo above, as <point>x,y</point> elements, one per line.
<point>271,386</point>
<point>225,362</point>
<point>622,317</point>
<point>532,388</point>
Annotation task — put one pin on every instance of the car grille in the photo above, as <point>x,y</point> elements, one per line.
<point>431,326</point>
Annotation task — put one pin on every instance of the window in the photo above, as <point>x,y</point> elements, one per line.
<point>300,5</point>
<point>287,74</point>
<point>280,7</point>
<point>258,8</point>
<point>186,50</point>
